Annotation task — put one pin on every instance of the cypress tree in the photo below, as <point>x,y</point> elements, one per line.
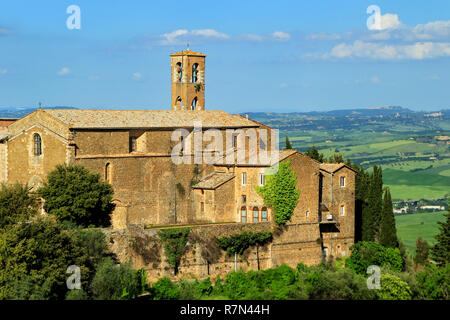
<point>372,214</point>
<point>388,232</point>
<point>422,247</point>
<point>441,250</point>
<point>288,144</point>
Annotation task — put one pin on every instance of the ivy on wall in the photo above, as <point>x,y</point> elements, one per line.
<point>174,241</point>
<point>280,193</point>
<point>238,243</point>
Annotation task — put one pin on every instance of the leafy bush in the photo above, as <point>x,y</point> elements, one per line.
<point>336,285</point>
<point>165,289</point>
<point>114,282</point>
<point>280,193</point>
<point>77,294</point>
<point>434,282</point>
<point>393,288</point>
<point>366,253</point>
<point>72,193</point>
<point>15,204</point>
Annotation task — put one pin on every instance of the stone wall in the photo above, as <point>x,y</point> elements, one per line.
<point>292,244</point>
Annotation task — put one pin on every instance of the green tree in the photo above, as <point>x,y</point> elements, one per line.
<point>441,250</point>
<point>165,289</point>
<point>34,257</point>
<point>388,231</point>
<point>117,281</point>
<point>314,153</point>
<point>336,158</point>
<point>434,282</point>
<point>280,193</point>
<point>365,254</point>
<point>422,250</point>
<point>288,144</point>
<point>72,193</point>
<point>16,204</point>
<point>393,288</point>
<point>371,218</point>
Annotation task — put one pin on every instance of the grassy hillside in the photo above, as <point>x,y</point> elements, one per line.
<point>412,147</point>
<point>412,226</point>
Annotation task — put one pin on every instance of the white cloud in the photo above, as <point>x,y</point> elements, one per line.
<point>432,30</point>
<point>182,36</point>
<point>137,75</point>
<point>170,38</point>
<point>377,50</point>
<point>280,35</point>
<point>251,37</point>
<point>209,33</point>
<point>64,71</point>
<point>388,21</point>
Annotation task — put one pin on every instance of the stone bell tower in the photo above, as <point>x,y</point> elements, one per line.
<point>188,80</point>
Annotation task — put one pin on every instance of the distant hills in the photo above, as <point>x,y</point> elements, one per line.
<point>21,112</point>
<point>359,112</point>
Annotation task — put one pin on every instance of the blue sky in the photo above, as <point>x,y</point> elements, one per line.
<point>277,56</point>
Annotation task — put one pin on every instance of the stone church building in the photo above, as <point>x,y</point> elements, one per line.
<point>134,150</point>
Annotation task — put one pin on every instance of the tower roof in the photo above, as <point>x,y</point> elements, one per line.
<point>188,52</point>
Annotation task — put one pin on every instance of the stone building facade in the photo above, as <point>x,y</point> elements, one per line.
<point>137,153</point>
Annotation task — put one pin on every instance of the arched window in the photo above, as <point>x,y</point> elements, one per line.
<point>243,214</point>
<point>255,214</point>
<point>37,144</point>
<point>194,72</point>
<point>194,104</point>
<point>179,104</point>
<point>108,172</point>
<point>264,215</point>
<point>180,72</point>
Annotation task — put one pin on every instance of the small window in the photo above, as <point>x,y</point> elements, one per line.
<point>244,178</point>
<point>255,214</point>
<point>108,172</point>
<point>133,144</point>
<point>244,198</point>
<point>243,214</point>
<point>307,213</point>
<point>262,179</point>
<point>264,216</point>
<point>194,104</point>
<point>180,72</point>
<point>202,206</point>
<point>194,72</point>
<point>342,210</point>
<point>262,145</point>
<point>234,140</point>
<point>342,181</point>
<point>37,144</point>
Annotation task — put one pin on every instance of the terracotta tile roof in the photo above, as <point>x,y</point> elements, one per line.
<point>188,52</point>
<point>273,158</point>
<point>83,118</point>
<point>214,180</point>
<point>333,167</point>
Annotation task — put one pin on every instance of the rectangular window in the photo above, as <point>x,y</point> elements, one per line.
<point>244,198</point>
<point>234,137</point>
<point>342,181</point>
<point>202,206</point>
<point>255,215</point>
<point>264,216</point>
<point>243,214</point>
<point>244,178</point>
<point>262,179</point>
<point>342,210</point>
<point>133,144</point>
